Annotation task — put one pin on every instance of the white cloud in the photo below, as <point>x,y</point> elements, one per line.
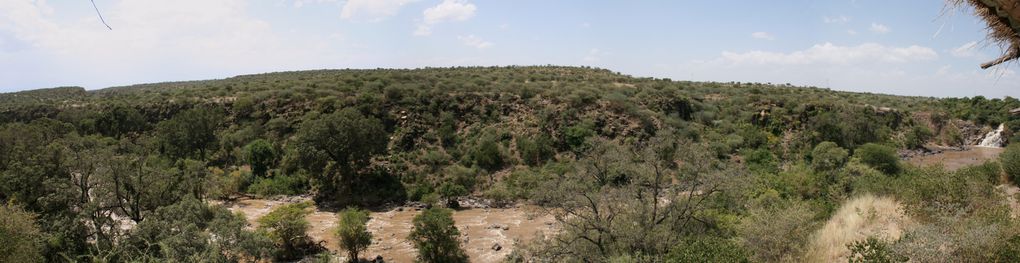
<point>448,10</point>
<point>829,53</point>
<point>302,3</point>
<point>371,10</point>
<point>851,32</point>
<point>836,19</point>
<point>154,39</point>
<point>967,50</point>
<point>594,55</point>
<point>473,41</point>
<point>763,35</point>
<point>879,28</point>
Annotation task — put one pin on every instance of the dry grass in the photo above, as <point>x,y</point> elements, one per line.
<point>859,218</point>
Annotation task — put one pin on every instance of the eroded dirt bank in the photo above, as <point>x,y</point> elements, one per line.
<point>489,233</point>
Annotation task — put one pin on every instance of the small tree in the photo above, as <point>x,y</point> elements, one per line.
<point>535,151</point>
<point>917,137</point>
<point>436,237</point>
<point>871,250</point>
<point>487,155</point>
<point>828,156</point>
<point>1010,160</point>
<point>260,155</point>
<point>352,233</point>
<point>286,226</point>
<point>450,191</point>
<point>880,157</point>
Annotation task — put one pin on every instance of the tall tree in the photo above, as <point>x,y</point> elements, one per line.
<point>337,147</point>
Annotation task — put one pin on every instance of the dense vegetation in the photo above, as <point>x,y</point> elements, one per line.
<point>637,169</point>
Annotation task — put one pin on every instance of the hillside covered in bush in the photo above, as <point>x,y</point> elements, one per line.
<point>635,169</point>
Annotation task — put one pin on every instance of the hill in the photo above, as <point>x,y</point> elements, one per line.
<point>634,168</point>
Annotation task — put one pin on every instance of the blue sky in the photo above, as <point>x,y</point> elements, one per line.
<point>900,47</point>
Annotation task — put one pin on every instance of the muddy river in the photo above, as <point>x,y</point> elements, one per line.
<point>489,234</point>
<point>953,160</point>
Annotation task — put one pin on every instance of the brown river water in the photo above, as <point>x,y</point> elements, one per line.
<point>954,160</point>
<point>481,229</point>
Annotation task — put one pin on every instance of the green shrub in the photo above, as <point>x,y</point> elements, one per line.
<point>761,160</point>
<point>828,156</point>
<point>286,226</point>
<point>535,151</point>
<point>20,238</point>
<point>351,232</point>
<point>880,157</point>
<point>871,250</point>
<point>190,231</point>
<point>917,137</point>
<point>436,237</point>
<point>574,137</point>
<point>223,185</point>
<point>1010,161</point>
<point>450,192</point>
<point>488,155</point>
<point>706,249</point>
<point>1010,251</point>
<point>278,185</point>
<point>777,232</point>
<point>260,155</point>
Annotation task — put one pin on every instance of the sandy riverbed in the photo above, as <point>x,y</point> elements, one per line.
<point>481,229</point>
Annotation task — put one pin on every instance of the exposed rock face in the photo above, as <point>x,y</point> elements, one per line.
<point>971,133</point>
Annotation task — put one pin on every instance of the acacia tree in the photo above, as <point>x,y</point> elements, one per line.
<point>352,233</point>
<point>627,200</point>
<point>337,148</point>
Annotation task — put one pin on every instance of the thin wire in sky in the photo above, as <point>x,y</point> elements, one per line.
<point>100,15</point>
